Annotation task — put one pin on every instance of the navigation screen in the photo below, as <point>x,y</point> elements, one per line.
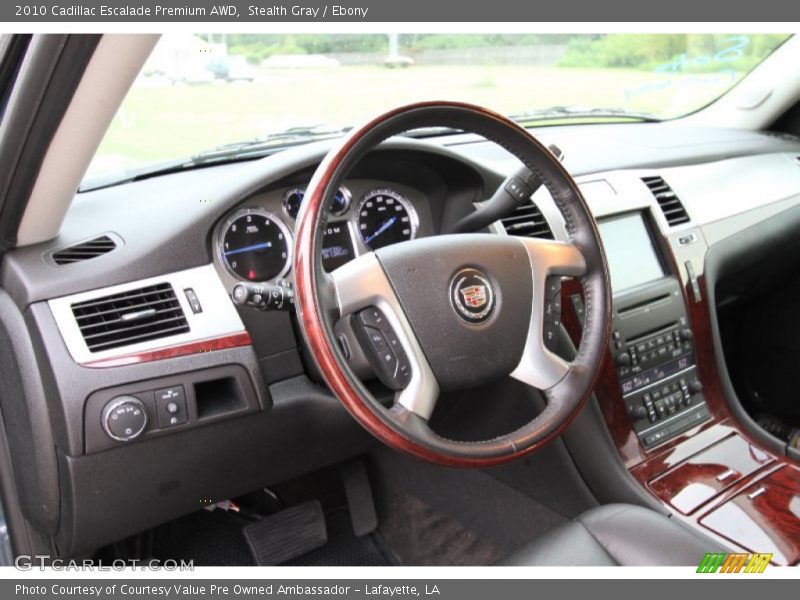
<point>337,246</point>
<point>632,258</point>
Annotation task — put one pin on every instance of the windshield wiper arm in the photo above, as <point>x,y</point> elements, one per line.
<point>553,113</point>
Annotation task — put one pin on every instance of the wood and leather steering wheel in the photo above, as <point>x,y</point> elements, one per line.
<point>462,309</point>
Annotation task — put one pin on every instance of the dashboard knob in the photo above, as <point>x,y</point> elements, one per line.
<point>124,418</point>
<point>623,359</point>
<point>695,387</point>
<point>638,413</point>
<point>686,334</point>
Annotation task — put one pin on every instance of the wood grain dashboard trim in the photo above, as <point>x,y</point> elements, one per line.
<point>236,340</point>
<point>773,520</point>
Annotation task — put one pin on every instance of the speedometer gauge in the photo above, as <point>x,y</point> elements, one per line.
<point>385,217</point>
<point>255,245</point>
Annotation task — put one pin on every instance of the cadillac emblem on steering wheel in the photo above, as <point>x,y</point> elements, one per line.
<point>472,295</point>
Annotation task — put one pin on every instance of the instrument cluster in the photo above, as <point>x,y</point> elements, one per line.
<point>255,242</point>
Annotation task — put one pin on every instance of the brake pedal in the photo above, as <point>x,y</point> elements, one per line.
<point>287,534</point>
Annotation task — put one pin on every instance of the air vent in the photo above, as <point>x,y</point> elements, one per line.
<point>527,221</point>
<point>130,317</point>
<point>669,202</point>
<point>84,250</point>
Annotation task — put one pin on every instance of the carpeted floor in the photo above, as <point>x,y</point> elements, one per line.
<point>215,538</point>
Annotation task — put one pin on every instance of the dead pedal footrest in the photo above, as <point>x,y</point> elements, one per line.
<point>287,534</point>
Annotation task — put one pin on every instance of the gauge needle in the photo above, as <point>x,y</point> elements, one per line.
<point>388,223</point>
<point>261,246</point>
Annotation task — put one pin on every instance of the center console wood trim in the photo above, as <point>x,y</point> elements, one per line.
<point>646,465</point>
<point>763,517</point>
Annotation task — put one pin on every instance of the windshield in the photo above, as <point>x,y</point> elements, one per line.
<point>200,92</point>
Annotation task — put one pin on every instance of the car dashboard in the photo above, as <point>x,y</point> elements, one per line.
<point>161,392</point>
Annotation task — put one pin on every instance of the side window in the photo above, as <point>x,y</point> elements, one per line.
<point>12,49</point>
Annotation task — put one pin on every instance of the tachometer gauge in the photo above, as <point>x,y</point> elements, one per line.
<point>385,217</point>
<point>255,245</point>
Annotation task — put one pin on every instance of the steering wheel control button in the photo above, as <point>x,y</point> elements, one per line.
<point>372,317</point>
<point>552,312</point>
<point>382,348</point>
<point>171,406</point>
<point>472,295</point>
<point>124,418</point>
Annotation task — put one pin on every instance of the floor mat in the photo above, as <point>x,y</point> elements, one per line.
<point>500,518</point>
<point>215,538</point>
<point>421,535</point>
<point>209,538</point>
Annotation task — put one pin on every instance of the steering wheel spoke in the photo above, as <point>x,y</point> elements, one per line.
<point>550,257</point>
<point>362,285</point>
<point>539,366</point>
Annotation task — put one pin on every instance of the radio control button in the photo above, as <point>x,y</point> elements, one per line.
<point>550,310</point>
<point>553,287</point>
<point>550,334</point>
<point>638,412</point>
<point>623,359</point>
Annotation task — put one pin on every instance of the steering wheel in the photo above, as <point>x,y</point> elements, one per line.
<point>457,310</point>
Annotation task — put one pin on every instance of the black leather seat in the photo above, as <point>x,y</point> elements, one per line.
<point>616,534</point>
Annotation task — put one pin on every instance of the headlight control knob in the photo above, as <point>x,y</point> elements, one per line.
<point>124,418</point>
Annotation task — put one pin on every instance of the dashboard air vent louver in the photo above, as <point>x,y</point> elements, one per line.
<point>84,250</point>
<point>667,199</point>
<point>527,221</point>
<point>130,317</point>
